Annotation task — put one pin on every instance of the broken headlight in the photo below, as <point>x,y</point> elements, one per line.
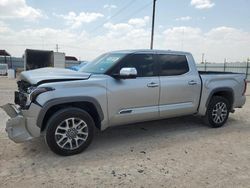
<point>35,91</point>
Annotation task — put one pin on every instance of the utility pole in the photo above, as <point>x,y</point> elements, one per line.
<point>153,26</point>
<point>247,69</point>
<point>202,57</point>
<point>225,62</point>
<point>57,47</point>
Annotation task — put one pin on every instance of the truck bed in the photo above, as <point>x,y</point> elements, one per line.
<point>212,81</point>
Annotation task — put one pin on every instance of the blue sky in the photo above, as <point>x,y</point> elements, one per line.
<point>233,13</point>
<point>85,28</point>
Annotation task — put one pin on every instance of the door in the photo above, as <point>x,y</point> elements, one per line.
<point>180,86</point>
<point>134,100</point>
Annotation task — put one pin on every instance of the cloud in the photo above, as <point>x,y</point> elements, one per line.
<point>217,43</point>
<point>175,33</point>
<point>132,24</point>
<point>185,18</point>
<point>76,21</point>
<point>109,6</point>
<point>4,27</point>
<point>139,22</point>
<point>118,27</point>
<point>12,9</point>
<point>135,27</point>
<point>202,4</point>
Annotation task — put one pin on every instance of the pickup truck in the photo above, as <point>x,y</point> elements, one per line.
<point>121,87</point>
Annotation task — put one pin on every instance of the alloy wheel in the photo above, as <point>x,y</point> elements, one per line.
<point>71,133</point>
<point>219,112</point>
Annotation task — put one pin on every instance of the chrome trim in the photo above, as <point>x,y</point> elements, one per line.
<point>128,71</point>
<point>128,111</point>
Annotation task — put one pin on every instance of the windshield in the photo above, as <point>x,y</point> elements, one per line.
<point>102,63</point>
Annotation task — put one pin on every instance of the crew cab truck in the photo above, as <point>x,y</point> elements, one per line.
<point>121,87</point>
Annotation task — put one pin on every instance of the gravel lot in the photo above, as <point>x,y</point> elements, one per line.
<point>179,152</point>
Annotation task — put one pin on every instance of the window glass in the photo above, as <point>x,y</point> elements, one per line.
<point>102,63</point>
<point>144,64</point>
<point>173,64</point>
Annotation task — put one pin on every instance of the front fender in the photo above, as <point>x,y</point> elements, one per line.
<point>65,100</point>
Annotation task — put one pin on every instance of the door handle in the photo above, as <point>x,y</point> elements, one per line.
<point>152,84</point>
<point>192,82</point>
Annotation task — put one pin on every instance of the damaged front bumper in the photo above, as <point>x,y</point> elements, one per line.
<point>22,123</point>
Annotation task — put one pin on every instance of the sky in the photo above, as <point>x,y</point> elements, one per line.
<point>86,28</point>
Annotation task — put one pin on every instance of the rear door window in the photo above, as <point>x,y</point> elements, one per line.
<point>171,65</point>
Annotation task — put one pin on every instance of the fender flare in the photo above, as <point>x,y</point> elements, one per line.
<point>65,100</point>
<point>227,89</point>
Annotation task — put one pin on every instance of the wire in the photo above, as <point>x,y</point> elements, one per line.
<point>137,11</point>
<point>114,15</point>
<point>94,29</point>
<point>121,10</point>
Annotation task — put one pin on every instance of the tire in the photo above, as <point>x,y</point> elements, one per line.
<point>69,131</point>
<point>217,112</point>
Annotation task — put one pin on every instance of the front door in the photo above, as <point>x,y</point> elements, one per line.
<point>134,100</point>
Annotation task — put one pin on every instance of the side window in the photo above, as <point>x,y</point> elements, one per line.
<point>173,64</point>
<point>144,64</point>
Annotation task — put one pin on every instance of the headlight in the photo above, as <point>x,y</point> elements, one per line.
<point>34,92</point>
<point>31,89</point>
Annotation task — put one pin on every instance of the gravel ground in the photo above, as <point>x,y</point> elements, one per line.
<point>179,152</point>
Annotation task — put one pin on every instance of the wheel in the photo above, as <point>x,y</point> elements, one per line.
<point>69,131</point>
<point>217,112</point>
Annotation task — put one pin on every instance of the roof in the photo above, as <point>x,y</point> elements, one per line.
<point>36,50</point>
<point>151,51</point>
<point>4,53</point>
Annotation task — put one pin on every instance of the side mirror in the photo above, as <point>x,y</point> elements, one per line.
<point>128,73</point>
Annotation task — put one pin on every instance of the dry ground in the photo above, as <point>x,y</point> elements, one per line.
<point>179,152</point>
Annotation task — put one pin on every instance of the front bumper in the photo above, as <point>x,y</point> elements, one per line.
<point>22,123</point>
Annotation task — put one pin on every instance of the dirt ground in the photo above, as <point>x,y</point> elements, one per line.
<point>180,152</point>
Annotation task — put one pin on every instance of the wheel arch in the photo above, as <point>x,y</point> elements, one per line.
<point>225,92</point>
<point>88,104</point>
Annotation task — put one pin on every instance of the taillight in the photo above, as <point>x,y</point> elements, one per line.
<point>245,88</point>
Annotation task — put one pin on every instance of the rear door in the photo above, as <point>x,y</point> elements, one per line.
<point>180,86</point>
<point>134,100</point>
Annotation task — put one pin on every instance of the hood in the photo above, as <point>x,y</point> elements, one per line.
<point>45,75</point>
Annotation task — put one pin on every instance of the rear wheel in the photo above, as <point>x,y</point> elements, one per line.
<point>69,131</point>
<point>217,112</point>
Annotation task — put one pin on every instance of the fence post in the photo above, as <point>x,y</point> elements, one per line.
<point>11,63</point>
<point>247,71</point>
<point>205,66</point>
<point>224,66</point>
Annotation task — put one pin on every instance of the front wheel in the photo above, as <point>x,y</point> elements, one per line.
<point>69,131</point>
<point>217,112</point>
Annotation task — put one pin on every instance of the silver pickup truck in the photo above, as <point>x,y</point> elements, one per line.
<point>121,87</point>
